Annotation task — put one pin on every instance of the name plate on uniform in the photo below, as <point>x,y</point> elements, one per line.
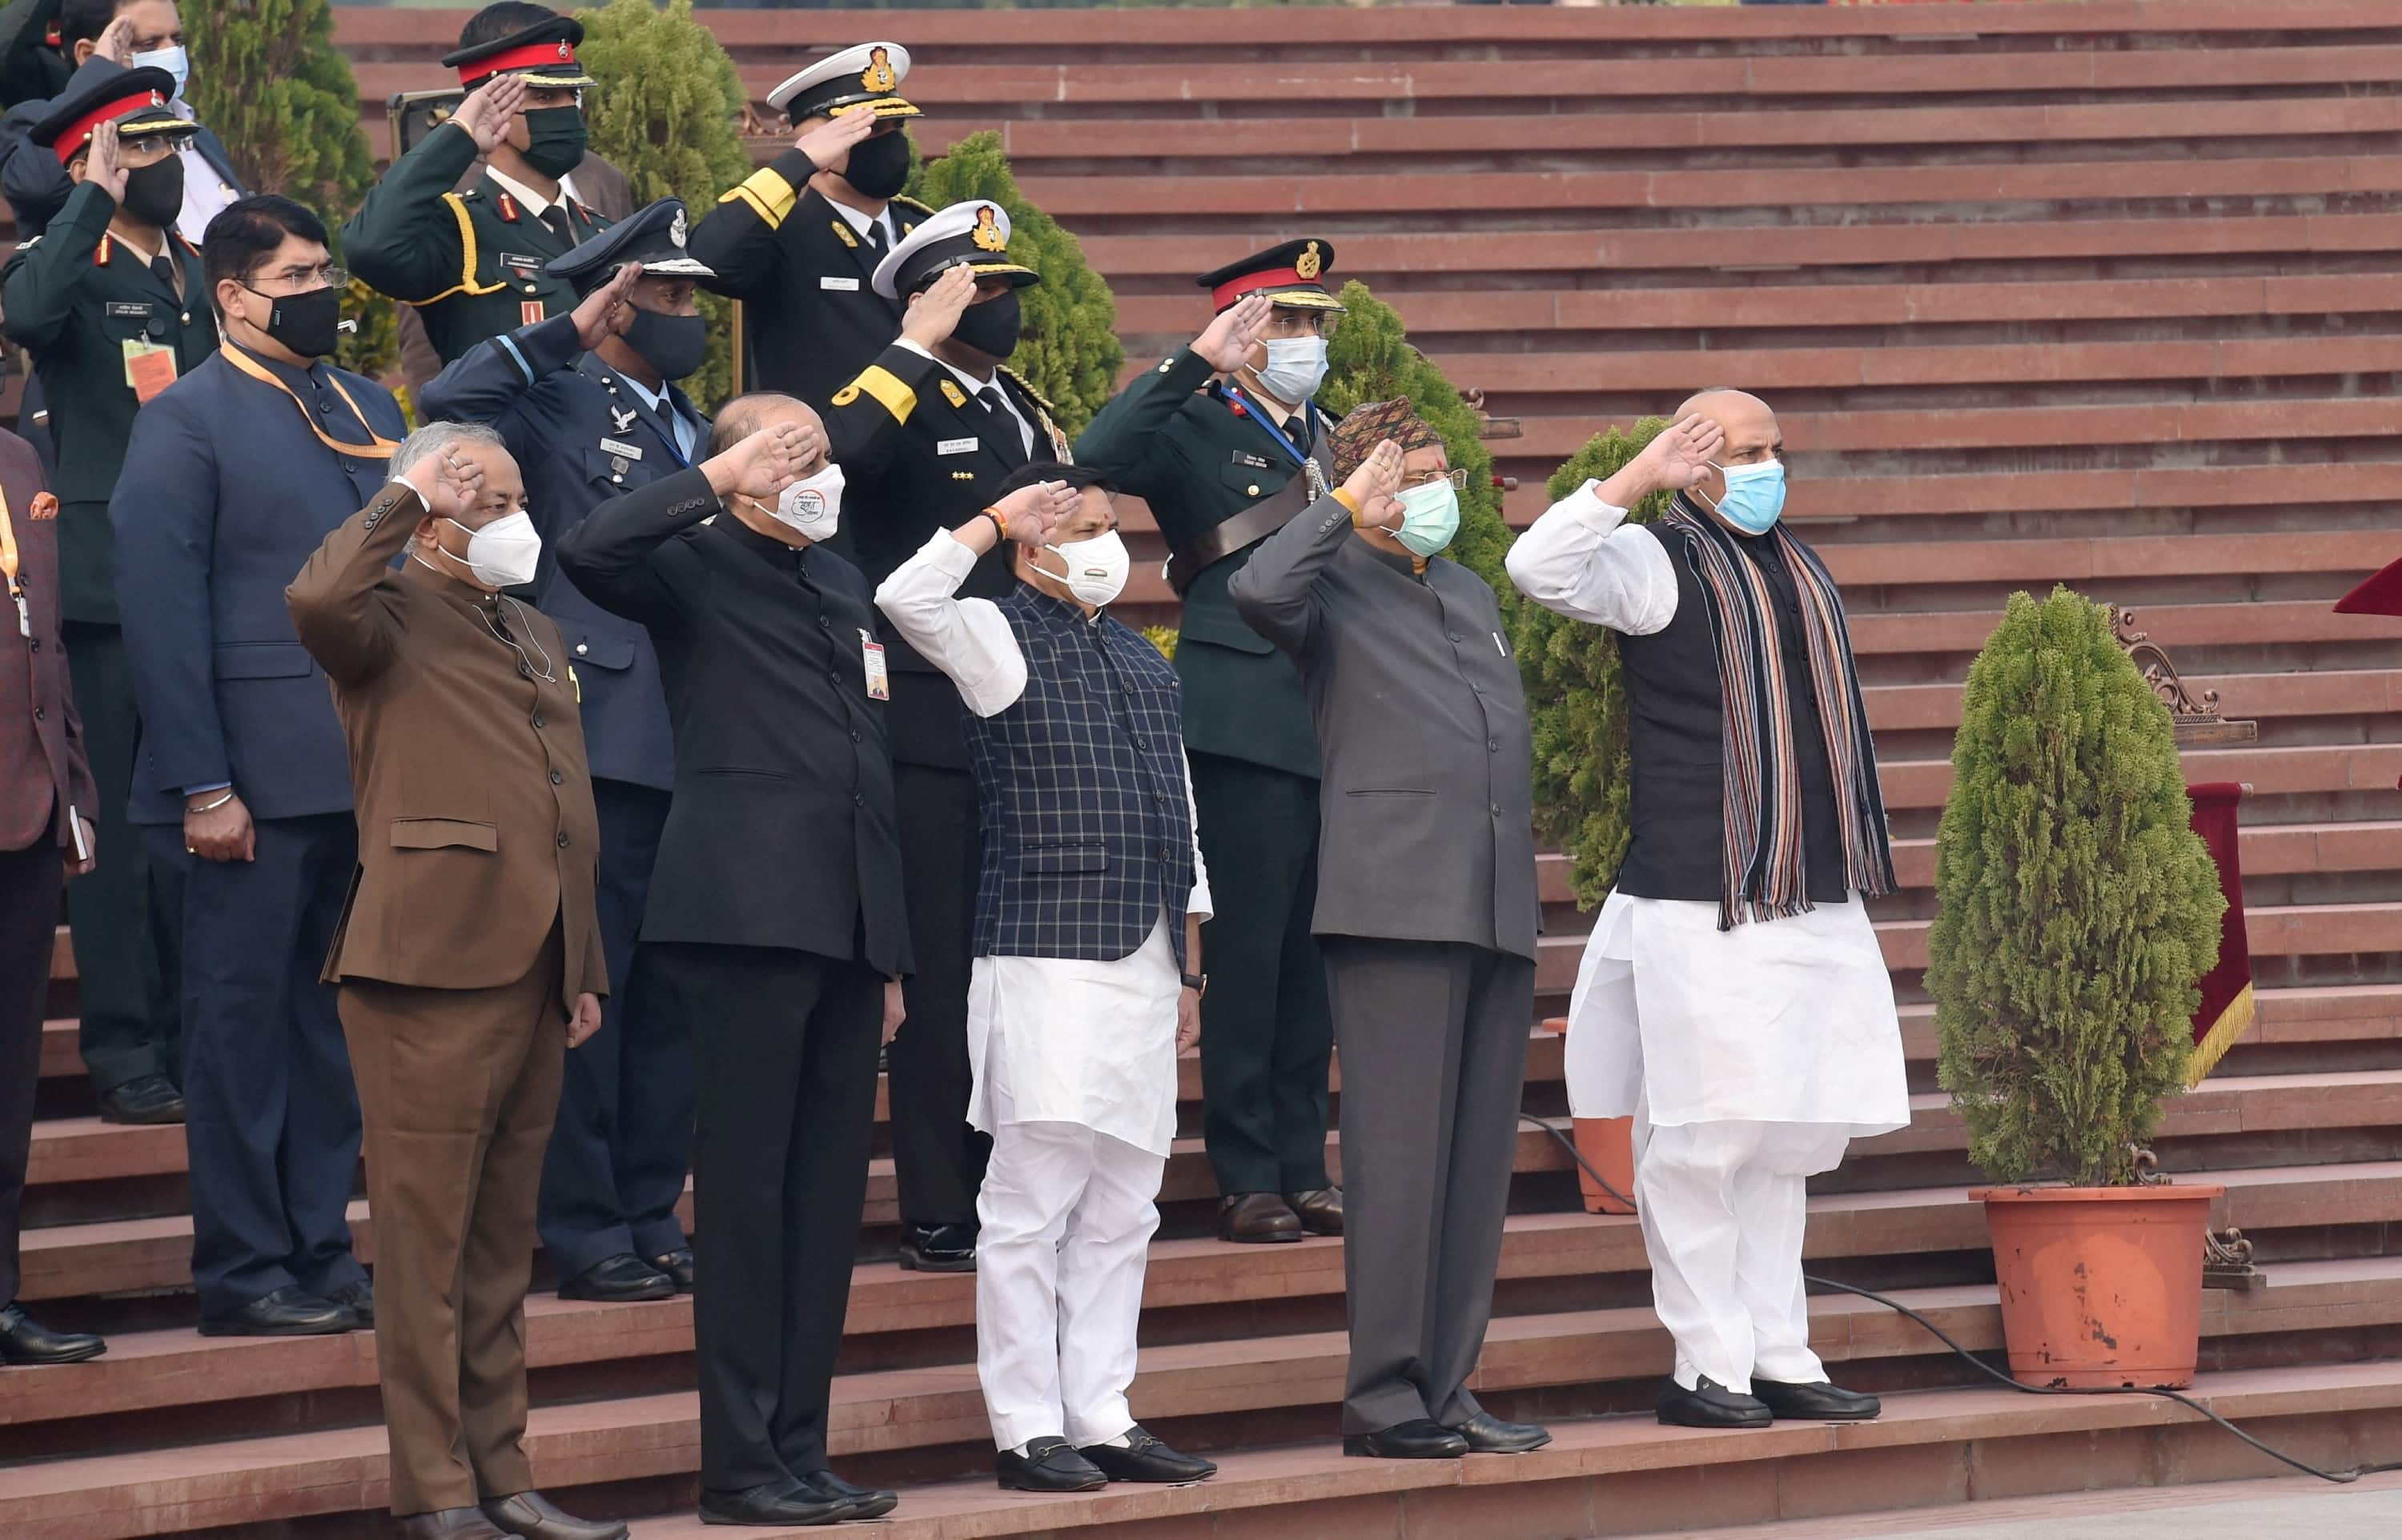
<point>519,262</point>
<point>956,446</point>
<point>619,446</point>
<point>848,285</point>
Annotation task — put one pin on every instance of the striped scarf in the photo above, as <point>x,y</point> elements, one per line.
<point>1763,862</point>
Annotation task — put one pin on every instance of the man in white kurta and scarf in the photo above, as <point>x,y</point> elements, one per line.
<point>1086,982</point>
<point>1732,998</point>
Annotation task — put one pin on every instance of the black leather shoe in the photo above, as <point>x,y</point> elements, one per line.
<point>865,1502</point>
<point>358,1298</point>
<point>144,1099</point>
<point>677,1265</point>
<point>533,1517</point>
<point>1419,1438</point>
<point>1320,1211</point>
<point>938,1249</point>
<point>26,1340</point>
<point>1815,1403</point>
<point>450,1524</point>
<point>1489,1435</point>
<point>289,1311</point>
<point>619,1280</point>
<point>1144,1458</point>
<point>1709,1405</point>
<point>1048,1464</point>
<point>776,1503</point>
<point>1257,1218</point>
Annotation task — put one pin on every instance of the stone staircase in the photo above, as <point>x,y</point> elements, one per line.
<point>2100,293</point>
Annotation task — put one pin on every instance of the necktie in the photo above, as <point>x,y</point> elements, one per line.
<point>164,265</point>
<point>1004,421</point>
<point>556,217</point>
<point>877,243</point>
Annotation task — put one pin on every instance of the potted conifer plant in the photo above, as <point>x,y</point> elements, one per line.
<point>2076,911</point>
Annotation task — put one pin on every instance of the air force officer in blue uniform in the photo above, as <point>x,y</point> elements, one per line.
<point>588,406</point>
<point>234,475</point>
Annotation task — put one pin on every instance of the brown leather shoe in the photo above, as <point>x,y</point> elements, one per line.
<point>450,1524</point>
<point>1320,1211</point>
<point>530,1516</point>
<point>1257,1216</point>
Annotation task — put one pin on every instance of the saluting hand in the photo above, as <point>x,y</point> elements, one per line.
<point>933,313</point>
<point>1680,456</point>
<point>1374,485</point>
<point>1226,345</point>
<point>607,311</point>
<point>116,43</point>
<point>1032,513</point>
<point>451,486</point>
<point>584,1021</point>
<point>101,167</point>
<point>829,143</point>
<point>765,463</point>
<point>488,109</point>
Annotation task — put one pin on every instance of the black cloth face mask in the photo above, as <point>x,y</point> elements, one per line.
<point>154,194</point>
<point>991,325</point>
<point>879,166</point>
<point>674,345</point>
<point>308,323</point>
<point>555,140</point>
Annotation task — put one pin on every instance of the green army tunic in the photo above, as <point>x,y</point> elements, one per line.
<point>79,300</point>
<point>470,263</point>
<point>1197,457</point>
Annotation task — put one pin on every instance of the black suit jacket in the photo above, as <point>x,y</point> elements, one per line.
<point>920,454</point>
<point>783,831</point>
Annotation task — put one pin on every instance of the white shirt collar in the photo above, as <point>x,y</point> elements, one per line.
<point>650,398</point>
<point>860,219</point>
<point>535,204</point>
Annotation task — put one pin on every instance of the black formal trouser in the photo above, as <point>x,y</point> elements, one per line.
<point>938,1159</point>
<point>272,1118</point>
<point>29,913</point>
<point>622,1141</point>
<point>784,1043</point>
<point>1434,1057</point>
<point>125,950</point>
<point>1267,1036</point>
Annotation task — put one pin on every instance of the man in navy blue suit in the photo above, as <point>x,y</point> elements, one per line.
<point>235,474</point>
<point>588,406</point>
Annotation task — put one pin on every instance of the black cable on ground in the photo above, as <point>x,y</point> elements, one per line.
<point>2340,1478</point>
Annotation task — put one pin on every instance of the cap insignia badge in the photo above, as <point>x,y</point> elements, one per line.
<point>986,234</point>
<point>952,393</point>
<point>676,231</point>
<point>565,51</point>
<point>878,74</point>
<point>1309,265</point>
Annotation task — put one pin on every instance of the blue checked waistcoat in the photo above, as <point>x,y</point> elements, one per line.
<point>1087,835</point>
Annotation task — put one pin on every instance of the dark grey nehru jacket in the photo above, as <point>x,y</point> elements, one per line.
<point>1425,811</point>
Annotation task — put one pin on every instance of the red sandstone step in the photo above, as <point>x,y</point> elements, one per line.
<point>2266,850</point>
<point>342,1470</point>
<point>2222,1104</point>
<point>2336,692</point>
<point>2270,771</point>
<point>2283,930</point>
<point>2170,625</point>
<point>2120,558</point>
<point>2317,1013</point>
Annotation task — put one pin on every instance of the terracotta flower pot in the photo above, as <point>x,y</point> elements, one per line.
<point>2101,1286</point>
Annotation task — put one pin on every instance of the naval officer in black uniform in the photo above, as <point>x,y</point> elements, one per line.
<point>589,407</point>
<point>475,264</point>
<point>925,436</point>
<point>799,241</point>
<point>1224,442</point>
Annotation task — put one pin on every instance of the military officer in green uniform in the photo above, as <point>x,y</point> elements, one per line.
<point>112,304</point>
<point>798,242</point>
<point>1226,443</point>
<point>473,263</point>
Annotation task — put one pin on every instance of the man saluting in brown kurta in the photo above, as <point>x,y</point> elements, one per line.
<point>470,927</point>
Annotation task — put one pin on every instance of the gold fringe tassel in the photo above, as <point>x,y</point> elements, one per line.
<point>2232,1023</point>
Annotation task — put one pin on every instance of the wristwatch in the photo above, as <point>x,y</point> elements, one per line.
<point>1197,983</point>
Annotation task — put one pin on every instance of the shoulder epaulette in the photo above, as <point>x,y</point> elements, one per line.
<point>911,203</point>
<point>1029,390</point>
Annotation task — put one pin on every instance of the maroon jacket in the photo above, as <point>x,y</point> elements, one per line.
<point>42,770</point>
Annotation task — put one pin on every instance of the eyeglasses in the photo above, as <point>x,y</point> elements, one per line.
<point>1459,479</point>
<point>329,277</point>
<point>1291,322</point>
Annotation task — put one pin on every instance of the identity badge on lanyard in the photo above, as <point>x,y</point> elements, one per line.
<point>1251,409</point>
<point>880,683</point>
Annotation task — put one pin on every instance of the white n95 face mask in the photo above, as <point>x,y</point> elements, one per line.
<point>812,506</point>
<point>504,552</point>
<point>1296,367</point>
<point>1097,567</point>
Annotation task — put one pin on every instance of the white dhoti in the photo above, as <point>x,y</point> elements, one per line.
<point>1749,1059</point>
<point>1075,1080</point>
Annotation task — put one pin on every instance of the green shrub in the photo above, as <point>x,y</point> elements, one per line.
<point>667,114</point>
<point>1069,352</point>
<point>2077,909</point>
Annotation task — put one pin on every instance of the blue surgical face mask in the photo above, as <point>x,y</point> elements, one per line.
<point>1430,518</point>
<point>1754,498</point>
<point>174,61</point>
